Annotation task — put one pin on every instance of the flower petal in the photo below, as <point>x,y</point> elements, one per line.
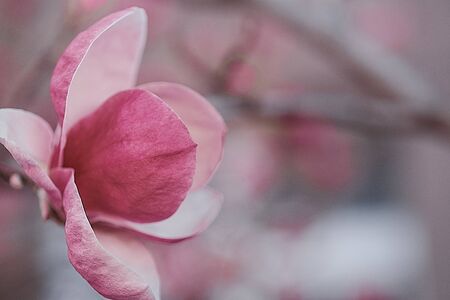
<point>99,62</point>
<point>133,158</point>
<point>27,132</point>
<point>205,125</point>
<point>29,138</point>
<point>115,265</point>
<point>193,216</point>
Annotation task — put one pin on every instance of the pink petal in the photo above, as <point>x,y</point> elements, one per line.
<point>205,125</point>
<point>133,158</point>
<point>28,138</point>
<point>193,216</point>
<point>28,132</point>
<point>99,62</point>
<point>116,266</point>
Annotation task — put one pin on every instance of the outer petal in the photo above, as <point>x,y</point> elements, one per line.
<point>194,215</point>
<point>99,62</point>
<point>205,125</point>
<point>133,158</point>
<point>28,138</point>
<point>115,265</point>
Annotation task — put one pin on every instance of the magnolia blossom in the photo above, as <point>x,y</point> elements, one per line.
<point>122,159</point>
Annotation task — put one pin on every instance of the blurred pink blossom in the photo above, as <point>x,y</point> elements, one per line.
<point>121,157</point>
<point>252,164</point>
<point>89,5</point>
<point>317,153</point>
<point>241,78</point>
<point>321,154</point>
<point>390,23</point>
<point>193,259</point>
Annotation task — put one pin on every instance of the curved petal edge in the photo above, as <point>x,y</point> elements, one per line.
<point>205,125</point>
<point>29,138</point>
<point>195,215</point>
<point>98,63</point>
<point>114,265</point>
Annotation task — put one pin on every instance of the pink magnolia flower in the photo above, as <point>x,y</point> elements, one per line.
<point>121,157</point>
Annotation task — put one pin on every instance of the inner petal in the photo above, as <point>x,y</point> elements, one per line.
<point>133,158</point>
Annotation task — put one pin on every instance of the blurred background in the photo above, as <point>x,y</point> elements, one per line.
<point>337,160</point>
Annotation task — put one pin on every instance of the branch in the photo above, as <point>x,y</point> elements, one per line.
<point>373,117</point>
<point>239,51</point>
<point>368,65</point>
<point>397,101</point>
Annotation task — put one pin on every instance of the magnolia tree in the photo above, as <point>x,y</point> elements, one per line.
<point>320,105</point>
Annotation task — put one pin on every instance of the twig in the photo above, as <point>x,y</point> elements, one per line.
<point>239,51</point>
<point>366,116</point>
<point>371,67</point>
<point>397,102</point>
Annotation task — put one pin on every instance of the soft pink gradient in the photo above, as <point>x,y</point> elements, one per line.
<point>390,23</point>
<point>194,215</point>
<point>203,123</point>
<point>322,154</point>
<point>97,64</point>
<point>141,150</point>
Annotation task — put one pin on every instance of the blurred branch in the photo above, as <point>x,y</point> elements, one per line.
<point>369,66</point>
<point>397,100</point>
<point>322,24</point>
<point>242,47</point>
<point>373,117</point>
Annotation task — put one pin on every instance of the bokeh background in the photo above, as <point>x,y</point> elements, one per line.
<point>337,160</point>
